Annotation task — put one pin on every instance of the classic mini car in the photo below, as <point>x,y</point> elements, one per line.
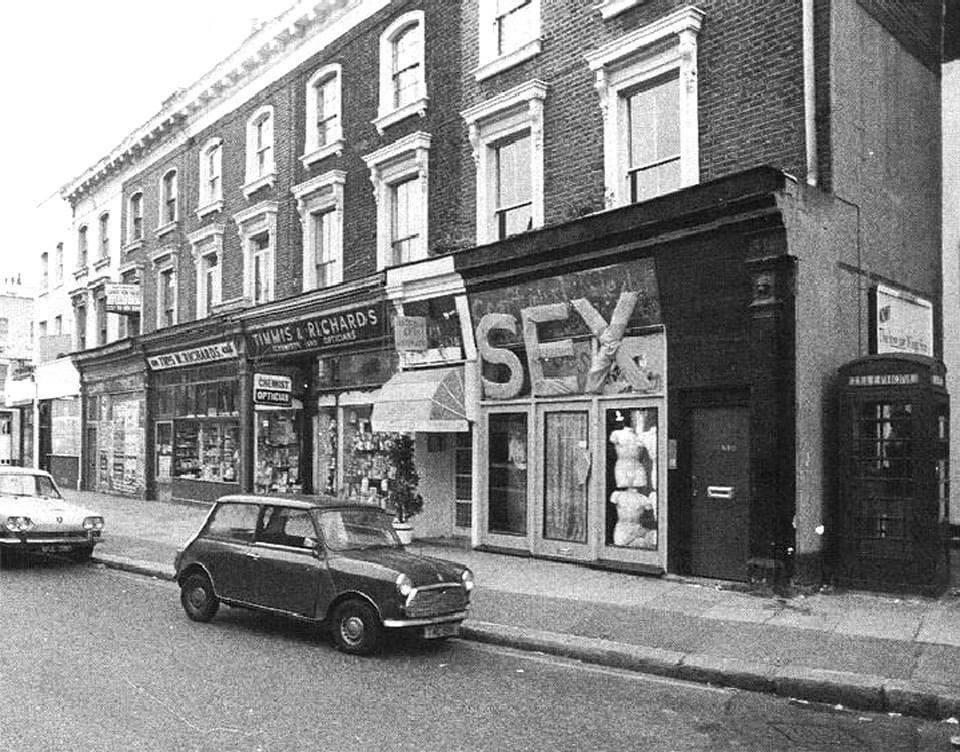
<point>321,560</point>
<point>35,518</point>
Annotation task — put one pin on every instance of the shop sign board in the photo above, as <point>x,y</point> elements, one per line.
<point>122,298</point>
<point>410,333</point>
<point>323,332</point>
<point>272,389</point>
<point>193,356</point>
<point>903,322</point>
<point>572,334</point>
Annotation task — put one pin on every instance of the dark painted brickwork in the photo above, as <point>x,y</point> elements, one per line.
<point>750,93</point>
<point>358,54</point>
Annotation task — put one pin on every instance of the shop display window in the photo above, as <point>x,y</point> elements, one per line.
<point>566,458</point>
<point>325,449</point>
<point>507,436</point>
<point>632,510</point>
<point>278,452</point>
<point>366,467</point>
<point>206,450</point>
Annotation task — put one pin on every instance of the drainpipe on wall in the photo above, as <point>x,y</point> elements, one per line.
<point>809,94</point>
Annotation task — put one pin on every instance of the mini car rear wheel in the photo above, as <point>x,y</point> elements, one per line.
<point>198,598</point>
<point>356,628</point>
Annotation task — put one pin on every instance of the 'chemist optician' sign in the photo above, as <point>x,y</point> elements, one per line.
<point>271,389</point>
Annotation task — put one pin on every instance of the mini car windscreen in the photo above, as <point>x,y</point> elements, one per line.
<point>355,529</point>
<point>37,486</point>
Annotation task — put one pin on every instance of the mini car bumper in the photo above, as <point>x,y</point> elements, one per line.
<point>36,540</point>
<point>425,621</point>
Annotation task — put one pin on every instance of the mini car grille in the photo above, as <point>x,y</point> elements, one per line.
<point>437,600</point>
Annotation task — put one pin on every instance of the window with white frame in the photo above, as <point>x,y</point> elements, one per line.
<point>257,227</point>
<point>403,83</point>
<point>100,306</point>
<point>104,235</point>
<point>647,81</point>
<point>509,34</point>
<point>211,177</point>
<point>166,277</point>
<point>129,325</point>
<point>58,324</point>
<point>80,321</point>
<point>168,198</point>
<point>44,270</point>
<point>58,260</point>
<point>506,133</point>
<point>260,153</point>
<point>135,217</point>
<point>207,247</point>
<point>320,204</point>
<point>83,250</point>
<point>324,130</point>
<point>399,173</point>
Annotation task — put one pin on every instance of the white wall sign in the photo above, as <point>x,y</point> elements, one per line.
<point>904,322</point>
<point>271,389</point>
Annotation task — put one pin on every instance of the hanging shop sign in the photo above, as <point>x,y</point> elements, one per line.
<point>122,298</point>
<point>902,323</point>
<point>272,389</point>
<point>572,334</point>
<point>193,356</point>
<point>325,332</point>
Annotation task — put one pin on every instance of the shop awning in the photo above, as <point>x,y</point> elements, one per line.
<point>422,400</point>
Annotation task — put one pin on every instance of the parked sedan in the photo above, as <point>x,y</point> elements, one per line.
<point>323,561</point>
<point>35,518</point>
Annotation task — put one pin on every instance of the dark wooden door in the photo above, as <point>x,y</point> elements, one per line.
<point>720,489</point>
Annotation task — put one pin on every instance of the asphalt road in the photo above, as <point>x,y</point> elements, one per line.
<point>95,659</point>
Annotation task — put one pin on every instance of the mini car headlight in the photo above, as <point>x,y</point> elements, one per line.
<point>404,585</point>
<point>18,524</point>
<point>467,579</point>
<point>93,523</point>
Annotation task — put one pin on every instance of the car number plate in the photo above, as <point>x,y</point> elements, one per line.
<point>441,630</point>
<point>54,549</point>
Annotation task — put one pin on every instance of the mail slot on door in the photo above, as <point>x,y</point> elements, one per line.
<point>719,492</point>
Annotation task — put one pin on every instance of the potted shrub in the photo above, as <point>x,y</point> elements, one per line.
<point>403,495</point>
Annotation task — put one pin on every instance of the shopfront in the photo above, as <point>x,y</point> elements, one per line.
<point>196,421</point>
<point>573,450</point>
<point>315,377</point>
<point>114,411</point>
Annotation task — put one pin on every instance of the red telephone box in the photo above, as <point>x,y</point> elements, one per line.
<point>891,526</point>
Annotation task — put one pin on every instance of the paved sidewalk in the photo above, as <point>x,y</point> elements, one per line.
<point>861,650</point>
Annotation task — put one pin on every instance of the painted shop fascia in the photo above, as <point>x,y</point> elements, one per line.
<point>589,429</point>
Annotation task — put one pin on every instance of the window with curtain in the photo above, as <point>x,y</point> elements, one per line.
<point>653,123</point>
<point>514,191</point>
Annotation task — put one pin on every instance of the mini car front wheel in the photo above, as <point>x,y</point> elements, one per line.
<point>198,598</point>
<point>356,628</point>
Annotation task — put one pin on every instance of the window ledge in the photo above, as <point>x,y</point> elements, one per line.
<point>209,208</point>
<point>327,150</point>
<point>610,8</point>
<point>100,263</point>
<point>133,245</point>
<point>416,107</point>
<point>81,272</point>
<point>164,229</point>
<point>255,185</point>
<point>499,64</point>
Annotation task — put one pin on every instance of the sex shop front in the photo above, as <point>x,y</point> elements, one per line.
<point>572,456</point>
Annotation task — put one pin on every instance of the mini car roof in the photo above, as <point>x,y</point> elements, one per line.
<point>296,502</point>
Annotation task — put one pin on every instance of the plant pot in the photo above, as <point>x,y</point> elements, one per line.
<point>404,531</point>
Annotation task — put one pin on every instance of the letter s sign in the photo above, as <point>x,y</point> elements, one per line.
<point>494,389</point>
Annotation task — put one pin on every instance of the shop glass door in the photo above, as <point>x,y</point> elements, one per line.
<point>505,518</point>
<point>633,522</point>
<point>564,460</point>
